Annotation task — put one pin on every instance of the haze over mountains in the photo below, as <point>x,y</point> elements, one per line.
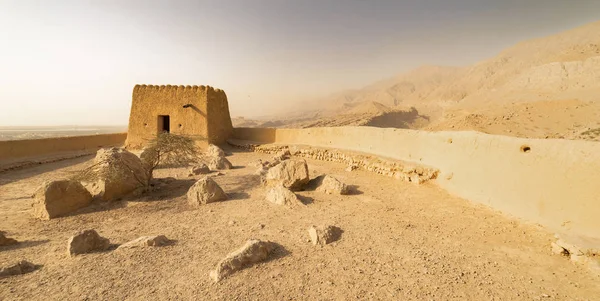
<point>554,75</point>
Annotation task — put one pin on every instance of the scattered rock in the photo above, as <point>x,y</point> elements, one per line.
<point>261,171</point>
<point>86,242</point>
<point>5,241</point>
<point>122,173</point>
<point>205,191</point>
<point>331,185</point>
<point>280,195</point>
<point>231,223</point>
<point>323,235</point>
<point>219,163</point>
<point>252,252</point>
<point>556,249</point>
<point>214,151</point>
<point>58,198</point>
<point>282,155</point>
<point>146,241</point>
<point>200,169</point>
<point>19,268</point>
<point>352,167</point>
<point>292,174</point>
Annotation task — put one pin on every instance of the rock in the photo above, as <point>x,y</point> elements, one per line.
<point>5,241</point>
<point>58,198</point>
<point>282,155</point>
<point>205,191</point>
<point>146,241</point>
<point>231,223</point>
<point>122,173</point>
<point>219,163</point>
<point>558,250</point>
<point>351,167</point>
<point>261,171</point>
<point>280,195</point>
<point>292,174</point>
<point>323,235</point>
<point>331,185</point>
<point>149,157</point>
<point>214,151</point>
<point>86,242</point>
<point>200,169</point>
<point>252,252</point>
<point>22,267</point>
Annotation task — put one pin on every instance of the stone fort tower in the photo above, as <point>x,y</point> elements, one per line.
<point>200,112</point>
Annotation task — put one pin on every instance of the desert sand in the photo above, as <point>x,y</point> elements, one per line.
<point>399,241</point>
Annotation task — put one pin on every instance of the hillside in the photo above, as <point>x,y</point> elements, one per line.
<point>553,75</point>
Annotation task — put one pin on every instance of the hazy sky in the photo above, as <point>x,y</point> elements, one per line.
<point>76,62</point>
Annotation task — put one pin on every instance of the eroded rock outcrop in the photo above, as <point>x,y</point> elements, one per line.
<point>292,174</point>
<point>277,194</point>
<point>19,268</point>
<point>146,241</point>
<point>58,198</point>
<point>322,235</point>
<point>120,172</point>
<point>205,191</point>
<point>252,252</point>
<point>87,241</point>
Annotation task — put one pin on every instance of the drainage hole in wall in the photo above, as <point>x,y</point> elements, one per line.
<point>180,125</point>
<point>525,149</point>
<point>145,124</point>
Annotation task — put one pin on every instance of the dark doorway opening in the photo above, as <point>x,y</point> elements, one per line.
<point>164,123</point>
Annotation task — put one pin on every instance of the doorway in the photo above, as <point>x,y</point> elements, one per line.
<point>164,123</point>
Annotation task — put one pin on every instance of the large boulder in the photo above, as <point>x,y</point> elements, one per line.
<point>205,191</point>
<point>58,198</point>
<point>214,151</point>
<point>21,267</point>
<point>280,195</point>
<point>146,241</point>
<point>252,252</point>
<point>5,241</point>
<point>331,185</point>
<point>121,173</point>
<point>219,163</point>
<point>292,174</point>
<point>87,241</point>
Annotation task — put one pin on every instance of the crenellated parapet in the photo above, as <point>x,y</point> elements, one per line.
<point>166,88</point>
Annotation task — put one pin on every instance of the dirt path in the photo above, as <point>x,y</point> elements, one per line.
<point>400,242</point>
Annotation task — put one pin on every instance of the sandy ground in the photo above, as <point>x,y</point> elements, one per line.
<point>400,242</point>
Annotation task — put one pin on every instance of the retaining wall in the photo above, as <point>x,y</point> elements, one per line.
<point>552,182</point>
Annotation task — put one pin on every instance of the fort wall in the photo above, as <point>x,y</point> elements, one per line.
<point>219,120</point>
<point>548,181</point>
<point>14,151</point>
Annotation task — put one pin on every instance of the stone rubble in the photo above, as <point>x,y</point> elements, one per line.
<point>254,251</point>
<point>87,241</point>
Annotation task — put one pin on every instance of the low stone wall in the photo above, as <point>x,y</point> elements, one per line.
<point>408,172</point>
<point>17,153</point>
<point>553,182</point>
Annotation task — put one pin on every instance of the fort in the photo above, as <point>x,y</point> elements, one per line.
<point>200,112</point>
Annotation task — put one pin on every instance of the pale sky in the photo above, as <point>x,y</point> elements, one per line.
<point>76,62</point>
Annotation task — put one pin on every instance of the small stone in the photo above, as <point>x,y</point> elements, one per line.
<point>200,169</point>
<point>214,151</point>
<point>282,196</point>
<point>331,185</point>
<point>205,191</point>
<point>252,252</point>
<point>19,268</point>
<point>556,249</point>
<point>86,242</point>
<point>323,235</point>
<point>5,241</point>
<point>146,241</point>
<point>219,163</point>
<point>231,223</point>
<point>351,167</point>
